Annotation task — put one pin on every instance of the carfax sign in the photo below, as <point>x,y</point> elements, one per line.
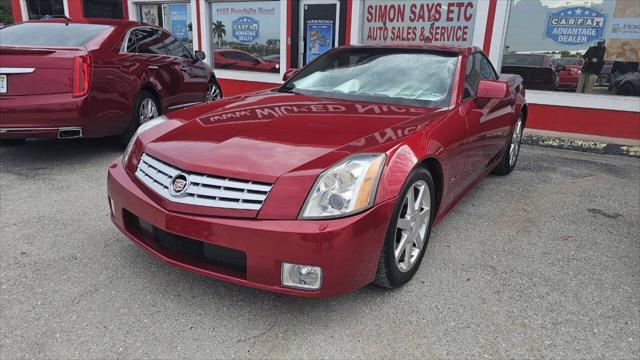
<point>575,26</point>
<point>245,29</point>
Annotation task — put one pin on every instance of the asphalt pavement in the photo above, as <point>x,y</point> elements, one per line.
<point>542,263</point>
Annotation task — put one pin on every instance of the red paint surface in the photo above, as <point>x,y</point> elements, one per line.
<point>238,87</point>
<point>75,9</point>
<point>199,26</point>
<point>287,140</point>
<point>620,124</point>
<point>44,99</point>
<point>347,24</point>
<point>125,10</point>
<point>489,29</point>
<point>15,10</point>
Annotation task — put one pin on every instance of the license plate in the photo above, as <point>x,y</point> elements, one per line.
<point>3,84</point>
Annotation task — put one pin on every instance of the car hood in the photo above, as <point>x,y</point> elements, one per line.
<point>265,135</point>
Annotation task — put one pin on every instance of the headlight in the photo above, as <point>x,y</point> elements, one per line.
<point>142,128</point>
<point>346,188</point>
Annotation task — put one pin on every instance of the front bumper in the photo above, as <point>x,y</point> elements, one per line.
<point>347,249</point>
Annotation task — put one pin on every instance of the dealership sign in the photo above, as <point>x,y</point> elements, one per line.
<point>245,29</point>
<point>419,22</point>
<point>575,26</point>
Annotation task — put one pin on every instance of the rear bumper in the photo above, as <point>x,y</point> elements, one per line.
<point>346,249</point>
<point>42,116</point>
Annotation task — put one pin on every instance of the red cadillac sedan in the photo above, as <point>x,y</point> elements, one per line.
<point>328,183</point>
<point>94,78</point>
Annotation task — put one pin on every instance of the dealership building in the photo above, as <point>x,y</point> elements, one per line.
<point>251,44</point>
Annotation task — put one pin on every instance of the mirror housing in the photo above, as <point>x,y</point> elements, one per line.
<point>490,89</point>
<point>289,74</point>
<point>200,55</point>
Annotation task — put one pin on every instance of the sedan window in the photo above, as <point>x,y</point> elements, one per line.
<point>150,41</point>
<point>175,48</point>
<point>50,34</point>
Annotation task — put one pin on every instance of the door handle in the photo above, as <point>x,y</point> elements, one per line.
<point>152,67</point>
<point>184,68</point>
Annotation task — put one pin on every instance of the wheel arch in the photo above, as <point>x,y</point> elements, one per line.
<point>435,168</point>
<point>152,90</point>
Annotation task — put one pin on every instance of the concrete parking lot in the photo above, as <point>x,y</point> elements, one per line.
<point>543,263</point>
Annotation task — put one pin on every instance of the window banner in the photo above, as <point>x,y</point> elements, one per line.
<point>624,34</point>
<point>248,23</point>
<point>319,38</point>
<point>178,21</point>
<point>419,21</point>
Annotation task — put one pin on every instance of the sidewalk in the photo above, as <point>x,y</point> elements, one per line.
<point>582,142</point>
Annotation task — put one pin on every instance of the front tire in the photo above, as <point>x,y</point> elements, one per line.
<point>510,158</point>
<point>145,108</point>
<point>409,231</point>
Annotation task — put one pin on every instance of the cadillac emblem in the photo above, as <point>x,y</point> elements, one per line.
<point>179,185</point>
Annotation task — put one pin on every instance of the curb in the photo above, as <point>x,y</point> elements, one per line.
<point>590,146</point>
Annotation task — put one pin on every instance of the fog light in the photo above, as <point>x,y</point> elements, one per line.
<point>303,277</point>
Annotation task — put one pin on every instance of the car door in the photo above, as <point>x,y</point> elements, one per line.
<point>244,61</point>
<point>488,121</point>
<point>162,70</point>
<point>194,74</point>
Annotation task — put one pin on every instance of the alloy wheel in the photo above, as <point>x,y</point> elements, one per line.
<point>213,91</point>
<point>412,226</point>
<point>148,110</point>
<point>514,148</point>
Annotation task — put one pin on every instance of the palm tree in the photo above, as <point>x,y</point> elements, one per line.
<point>219,31</point>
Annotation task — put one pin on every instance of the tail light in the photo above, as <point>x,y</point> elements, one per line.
<point>81,75</point>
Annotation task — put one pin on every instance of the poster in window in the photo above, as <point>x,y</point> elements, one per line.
<point>178,21</point>
<point>319,38</point>
<point>245,35</point>
<point>150,14</point>
<point>624,37</point>
<point>419,21</point>
<point>575,25</point>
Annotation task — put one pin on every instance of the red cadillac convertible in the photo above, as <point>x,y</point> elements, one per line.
<point>328,183</point>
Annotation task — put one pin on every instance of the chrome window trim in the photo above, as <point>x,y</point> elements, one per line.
<point>123,47</point>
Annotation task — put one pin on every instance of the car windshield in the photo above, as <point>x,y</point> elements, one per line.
<point>521,59</point>
<point>46,34</point>
<point>567,61</point>
<point>397,76</point>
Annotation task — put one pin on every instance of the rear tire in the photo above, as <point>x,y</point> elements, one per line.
<point>408,234</point>
<point>512,150</point>
<point>626,89</point>
<point>145,108</point>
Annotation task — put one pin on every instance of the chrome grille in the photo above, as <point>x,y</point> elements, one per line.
<point>204,190</point>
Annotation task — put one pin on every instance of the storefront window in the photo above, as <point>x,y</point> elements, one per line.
<point>245,35</point>
<point>37,9</point>
<point>419,22</point>
<point>584,46</point>
<point>102,9</point>
<point>173,17</point>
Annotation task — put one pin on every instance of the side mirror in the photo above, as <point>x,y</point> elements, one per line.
<point>560,68</point>
<point>489,89</point>
<point>200,55</point>
<point>289,74</point>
